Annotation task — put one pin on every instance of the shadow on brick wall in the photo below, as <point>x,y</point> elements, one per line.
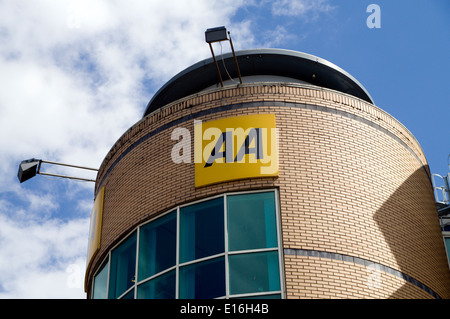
<point>410,225</point>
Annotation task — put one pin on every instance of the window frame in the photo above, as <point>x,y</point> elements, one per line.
<point>126,238</point>
<point>446,234</point>
<point>225,254</point>
<point>104,266</point>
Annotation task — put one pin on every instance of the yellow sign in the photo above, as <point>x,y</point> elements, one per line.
<point>95,229</point>
<point>235,148</point>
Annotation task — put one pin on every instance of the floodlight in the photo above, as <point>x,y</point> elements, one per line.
<point>217,35</point>
<point>28,169</point>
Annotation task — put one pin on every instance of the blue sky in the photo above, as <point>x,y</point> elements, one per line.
<point>75,75</point>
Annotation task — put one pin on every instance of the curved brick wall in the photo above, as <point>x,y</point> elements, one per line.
<point>357,209</point>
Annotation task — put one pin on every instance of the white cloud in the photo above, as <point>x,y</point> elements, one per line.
<point>306,9</point>
<point>73,71</point>
<point>75,75</point>
<point>44,260</point>
<point>278,36</point>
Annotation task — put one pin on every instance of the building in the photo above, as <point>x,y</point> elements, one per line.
<point>441,186</point>
<point>291,184</point>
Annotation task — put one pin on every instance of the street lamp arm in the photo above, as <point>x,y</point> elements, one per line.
<point>29,168</point>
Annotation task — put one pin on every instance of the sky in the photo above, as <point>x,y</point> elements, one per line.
<point>75,75</point>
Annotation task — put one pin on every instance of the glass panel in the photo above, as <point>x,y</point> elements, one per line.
<point>256,272</point>
<point>123,267</point>
<point>447,245</point>
<point>251,221</point>
<point>161,287</point>
<point>203,280</point>
<point>276,296</point>
<point>129,295</point>
<point>101,283</point>
<point>201,230</point>
<point>157,246</point>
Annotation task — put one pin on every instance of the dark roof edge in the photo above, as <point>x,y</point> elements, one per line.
<point>296,64</point>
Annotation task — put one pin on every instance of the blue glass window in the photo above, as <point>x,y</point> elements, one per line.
<point>203,280</point>
<point>447,246</point>
<point>157,246</point>
<point>128,295</point>
<point>101,283</point>
<point>255,272</point>
<point>227,247</point>
<point>251,221</point>
<point>161,287</point>
<point>123,267</point>
<point>274,296</point>
<point>202,230</point>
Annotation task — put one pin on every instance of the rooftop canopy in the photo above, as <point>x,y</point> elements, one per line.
<point>294,65</point>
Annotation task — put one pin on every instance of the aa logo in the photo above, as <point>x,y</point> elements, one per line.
<point>235,148</point>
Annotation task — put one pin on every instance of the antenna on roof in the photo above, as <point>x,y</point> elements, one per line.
<point>217,35</point>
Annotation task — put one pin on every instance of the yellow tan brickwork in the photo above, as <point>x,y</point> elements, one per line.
<point>353,181</point>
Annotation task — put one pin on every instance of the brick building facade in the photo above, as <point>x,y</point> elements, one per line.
<point>357,216</point>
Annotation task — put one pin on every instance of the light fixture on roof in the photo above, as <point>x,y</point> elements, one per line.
<point>31,167</point>
<point>220,34</point>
